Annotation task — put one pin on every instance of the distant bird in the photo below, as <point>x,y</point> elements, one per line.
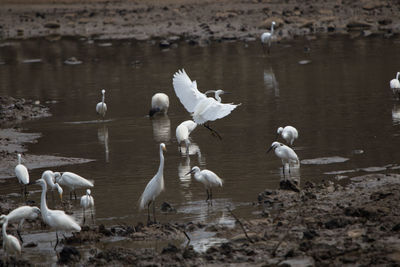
<point>289,133</point>
<point>101,107</point>
<point>11,244</point>
<point>72,181</point>
<point>266,37</point>
<point>395,85</point>
<point>285,153</point>
<point>87,201</point>
<point>183,131</point>
<point>50,179</point>
<point>19,215</point>
<point>208,178</point>
<point>22,174</point>
<point>202,108</point>
<point>56,219</point>
<point>154,187</point>
<point>159,103</point>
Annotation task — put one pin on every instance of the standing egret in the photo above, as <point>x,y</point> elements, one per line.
<point>159,103</point>
<point>289,133</point>
<point>285,153</point>
<point>50,179</point>
<point>395,85</point>
<point>154,187</point>
<point>11,244</point>
<point>72,181</point>
<point>87,201</point>
<point>101,107</point>
<point>19,215</point>
<point>202,108</point>
<point>56,219</point>
<point>266,37</point>
<point>208,178</point>
<point>183,131</point>
<point>22,174</point>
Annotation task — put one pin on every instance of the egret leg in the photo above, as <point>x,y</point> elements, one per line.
<point>84,217</point>
<point>180,149</point>
<point>154,211</point>
<point>18,230</point>
<point>70,195</point>
<point>213,132</point>
<point>211,196</point>
<point>91,211</point>
<point>26,190</point>
<point>55,247</point>
<point>20,237</point>
<point>208,195</point>
<point>75,194</point>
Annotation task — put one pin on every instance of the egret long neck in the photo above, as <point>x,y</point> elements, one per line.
<point>161,167</point>
<point>272,29</point>
<point>102,99</point>
<point>19,156</point>
<point>4,229</point>
<point>218,97</point>
<point>397,75</point>
<point>43,205</point>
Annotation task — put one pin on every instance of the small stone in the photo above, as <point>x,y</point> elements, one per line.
<point>52,25</point>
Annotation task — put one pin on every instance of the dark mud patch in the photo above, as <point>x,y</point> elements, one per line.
<point>14,110</point>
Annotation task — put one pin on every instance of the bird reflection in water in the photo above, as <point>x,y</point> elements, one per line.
<point>161,128</point>
<point>102,136</point>
<point>290,180</point>
<point>270,81</point>
<point>396,114</point>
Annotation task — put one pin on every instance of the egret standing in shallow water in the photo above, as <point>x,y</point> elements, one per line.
<point>289,133</point>
<point>395,85</point>
<point>159,103</point>
<point>208,178</point>
<point>154,187</point>
<point>11,244</point>
<point>285,153</point>
<point>183,131</point>
<point>72,181</point>
<point>22,174</point>
<point>87,201</point>
<point>101,107</point>
<point>202,108</point>
<point>266,37</point>
<point>50,179</point>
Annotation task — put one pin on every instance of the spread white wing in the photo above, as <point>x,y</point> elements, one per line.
<point>211,110</point>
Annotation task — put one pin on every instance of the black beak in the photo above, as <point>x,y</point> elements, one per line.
<point>153,111</point>
<point>227,93</point>
<point>270,149</point>
<point>189,173</point>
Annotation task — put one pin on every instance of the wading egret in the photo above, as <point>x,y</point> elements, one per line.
<point>395,85</point>
<point>289,133</point>
<point>202,108</point>
<point>183,131</point>
<point>11,244</point>
<point>266,37</point>
<point>101,107</point>
<point>208,178</point>
<point>159,103</point>
<point>50,179</point>
<point>87,201</point>
<point>285,153</point>
<point>154,187</point>
<point>72,181</point>
<point>22,174</point>
<point>56,219</point>
<point>19,215</point>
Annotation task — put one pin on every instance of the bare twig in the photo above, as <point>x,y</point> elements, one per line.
<point>240,223</point>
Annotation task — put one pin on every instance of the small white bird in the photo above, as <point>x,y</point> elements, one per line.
<point>154,187</point>
<point>266,37</point>
<point>285,153</point>
<point>56,219</point>
<point>101,107</point>
<point>183,131</point>
<point>202,108</point>
<point>395,85</point>
<point>289,133</point>
<point>159,103</point>
<point>208,178</point>
<point>19,215</point>
<point>72,181</point>
<point>87,201</point>
<point>22,174</point>
<point>11,244</point>
<point>50,179</point>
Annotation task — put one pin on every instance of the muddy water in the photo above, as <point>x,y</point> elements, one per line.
<point>335,92</point>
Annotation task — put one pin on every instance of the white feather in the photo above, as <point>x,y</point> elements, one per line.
<point>72,180</point>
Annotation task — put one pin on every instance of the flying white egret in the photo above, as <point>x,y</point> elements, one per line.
<point>208,178</point>
<point>19,215</point>
<point>11,244</point>
<point>72,181</point>
<point>395,85</point>
<point>266,37</point>
<point>56,219</point>
<point>183,131</point>
<point>289,133</point>
<point>285,153</point>
<point>22,174</point>
<point>202,108</point>
<point>50,179</point>
<point>159,103</point>
<point>101,107</point>
<point>154,187</point>
<point>87,201</point>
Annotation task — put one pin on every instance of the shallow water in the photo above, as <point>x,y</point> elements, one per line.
<point>339,101</point>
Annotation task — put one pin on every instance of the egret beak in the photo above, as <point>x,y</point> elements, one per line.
<point>164,149</point>
<point>270,149</point>
<point>189,173</point>
<point>227,93</point>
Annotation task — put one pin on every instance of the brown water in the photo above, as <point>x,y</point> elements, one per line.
<point>339,101</point>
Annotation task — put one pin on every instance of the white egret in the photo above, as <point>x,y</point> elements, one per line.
<point>183,131</point>
<point>87,201</point>
<point>208,178</point>
<point>72,181</point>
<point>159,103</point>
<point>285,153</point>
<point>395,85</point>
<point>11,244</point>
<point>56,219</point>
<point>289,133</point>
<point>202,108</point>
<point>266,37</point>
<point>19,215</point>
<point>50,179</point>
<point>154,187</point>
<point>22,174</point>
<point>101,107</point>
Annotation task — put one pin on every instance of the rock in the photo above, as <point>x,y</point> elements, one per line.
<point>166,207</point>
<point>164,44</point>
<point>69,254</point>
<point>170,249</point>
<point>30,245</point>
<point>371,5</point>
<point>72,61</point>
<point>103,230</point>
<point>336,223</point>
<point>354,233</point>
<point>52,25</point>
<point>358,25</point>
<point>242,237</point>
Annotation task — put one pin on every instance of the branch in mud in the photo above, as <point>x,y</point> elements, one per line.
<point>240,223</point>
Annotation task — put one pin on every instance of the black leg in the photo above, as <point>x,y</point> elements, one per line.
<point>211,196</point>
<point>213,132</point>
<point>75,194</point>
<point>55,247</point>
<point>84,217</point>
<point>70,195</point>
<point>91,211</point>
<point>19,235</point>
<point>208,195</point>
